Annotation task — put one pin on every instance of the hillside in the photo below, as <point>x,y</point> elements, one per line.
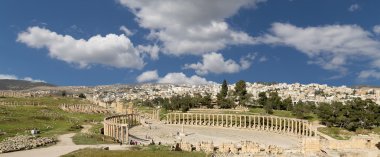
<point>20,84</point>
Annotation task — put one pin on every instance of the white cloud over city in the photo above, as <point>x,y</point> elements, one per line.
<point>110,50</point>
<point>14,77</point>
<point>332,47</point>
<point>215,63</point>
<point>171,78</point>
<point>191,27</point>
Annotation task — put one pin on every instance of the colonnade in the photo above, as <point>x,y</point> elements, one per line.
<point>156,114</point>
<point>117,126</point>
<point>84,108</point>
<point>16,103</point>
<point>13,94</point>
<point>268,123</point>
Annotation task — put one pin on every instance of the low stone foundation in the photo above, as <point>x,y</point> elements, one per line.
<point>244,147</point>
<point>23,142</point>
<point>84,108</point>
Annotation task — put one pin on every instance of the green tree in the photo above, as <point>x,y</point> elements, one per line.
<point>81,95</point>
<point>224,90</point>
<point>300,109</point>
<point>262,98</point>
<point>288,104</point>
<point>206,101</point>
<point>275,101</point>
<point>64,93</point>
<point>240,88</point>
<point>268,107</point>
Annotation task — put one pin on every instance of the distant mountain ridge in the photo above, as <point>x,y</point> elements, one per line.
<point>6,84</point>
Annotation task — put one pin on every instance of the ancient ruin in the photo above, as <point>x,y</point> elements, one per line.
<point>84,108</point>
<point>117,126</point>
<point>266,123</point>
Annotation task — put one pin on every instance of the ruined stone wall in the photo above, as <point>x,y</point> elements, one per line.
<point>244,147</point>
<point>17,103</point>
<point>84,108</point>
<point>13,94</point>
<point>355,142</point>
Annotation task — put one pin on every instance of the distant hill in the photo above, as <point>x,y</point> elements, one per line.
<point>364,86</point>
<point>6,84</point>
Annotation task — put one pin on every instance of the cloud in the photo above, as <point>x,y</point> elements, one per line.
<point>330,46</point>
<point>147,76</point>
<point>171,78</point>
<point>152,50</point>
<point>110,50</point>
<point>263,59</point>
<point>32,80</point>
<point>365,74</point>
<point>14,77</point>
<point>181,78</point>
<point>215,63</point>
<point>126,31</point>
<point>8,77</point>
<point>190,27</point>
<point>354,7</point>
<point>376,29</point>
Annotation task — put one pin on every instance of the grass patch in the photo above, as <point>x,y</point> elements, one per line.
<point>130,153</point>
<point>49,119</point>
<point>91,139</point>
<point>343,134</point>
<point>337,133</point>
<point>281,113</point>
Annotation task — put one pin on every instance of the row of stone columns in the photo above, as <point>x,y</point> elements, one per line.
<point>13,94</point>
<point>156,114</point>
<point>15,103</point>
<point>117,126</point>
<point>269,123</point>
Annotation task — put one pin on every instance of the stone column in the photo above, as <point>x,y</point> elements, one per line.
<point>258,122</point>
<point>302,128</point>
<point>217,120</point>
<point>292,130</point>
<point>249,122</point>
<point>230,120</point>
<point>240,121</point>
<point>236,123</point>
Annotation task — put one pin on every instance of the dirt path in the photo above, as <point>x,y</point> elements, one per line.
<point>86,129</point>
<point>64,146</point>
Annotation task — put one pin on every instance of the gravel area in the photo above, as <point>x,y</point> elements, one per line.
<point>167,134</point>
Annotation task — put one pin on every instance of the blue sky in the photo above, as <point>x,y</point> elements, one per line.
<point>167,41</point>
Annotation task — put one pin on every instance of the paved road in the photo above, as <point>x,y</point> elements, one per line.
<point>64,146</point>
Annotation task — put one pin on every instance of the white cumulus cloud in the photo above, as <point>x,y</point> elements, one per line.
<point>14,77</point>
<point>181,78</point>
<point>376,29</point>
<point>152,50</point>
<point>110,50</point>
<point>330,46</point>
<point>190,26</point>
<point>147,76</point>
<point>215,63</point>
<point>8,77</point>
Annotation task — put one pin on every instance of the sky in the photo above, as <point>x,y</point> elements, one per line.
<point>86,42</point>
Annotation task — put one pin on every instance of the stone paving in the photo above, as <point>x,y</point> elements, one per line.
<point>167,134</point>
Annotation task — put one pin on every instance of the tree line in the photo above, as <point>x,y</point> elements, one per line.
<point>353,114</point>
